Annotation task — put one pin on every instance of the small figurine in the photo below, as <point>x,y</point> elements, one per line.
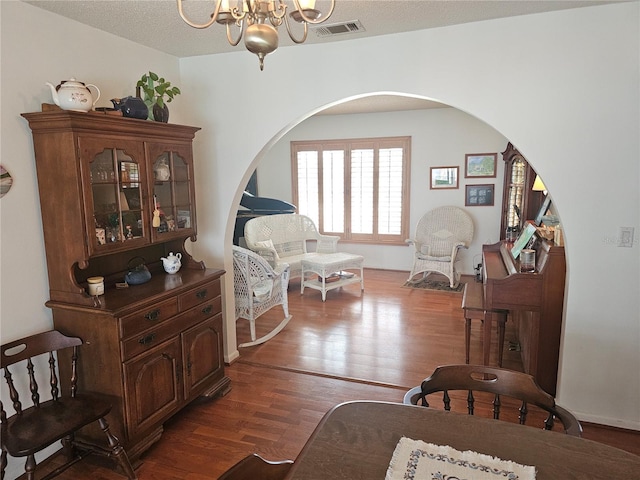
<point>129,232</point>
<point>156,213</point>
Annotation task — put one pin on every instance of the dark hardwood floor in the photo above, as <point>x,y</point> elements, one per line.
<point>375,345</point>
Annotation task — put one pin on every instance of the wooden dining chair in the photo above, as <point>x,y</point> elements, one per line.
<point>32,429</point>
<point>254,467</point>
<point>497,381</point>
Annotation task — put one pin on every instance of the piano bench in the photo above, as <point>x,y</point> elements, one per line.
<point>473,307</point>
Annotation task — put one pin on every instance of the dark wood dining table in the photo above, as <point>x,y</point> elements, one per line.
<point>355,440</point>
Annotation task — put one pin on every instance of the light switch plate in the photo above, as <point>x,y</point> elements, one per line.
<point>625,239</point>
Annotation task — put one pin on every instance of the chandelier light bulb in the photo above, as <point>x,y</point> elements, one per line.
<point>307,4</point>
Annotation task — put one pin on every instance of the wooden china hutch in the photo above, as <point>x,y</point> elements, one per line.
<point>116,193</point>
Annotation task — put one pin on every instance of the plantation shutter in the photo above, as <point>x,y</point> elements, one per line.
<point>356,189</point>
<point>390,191</point>
<point>308,187</point>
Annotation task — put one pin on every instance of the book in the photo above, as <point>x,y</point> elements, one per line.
<point>334,277</point>
<point>522,240</point>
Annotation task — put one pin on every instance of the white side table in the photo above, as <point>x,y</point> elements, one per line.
<point>331,263</point>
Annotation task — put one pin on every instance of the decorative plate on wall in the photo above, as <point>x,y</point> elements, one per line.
<point>5,181</point>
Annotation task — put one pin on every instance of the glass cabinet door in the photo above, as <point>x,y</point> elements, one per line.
<point>172,197</point>
<point>515,195</point>
<point>116,190</point>
<point>519,203</point>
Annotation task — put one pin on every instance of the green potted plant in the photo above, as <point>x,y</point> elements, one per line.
<point>154,90</point>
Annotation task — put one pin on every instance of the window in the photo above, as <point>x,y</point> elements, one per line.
<point>357,189</point>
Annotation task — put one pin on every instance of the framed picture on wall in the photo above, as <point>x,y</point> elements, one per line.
<point>479,195</point>
<point>5,181</point>
<point>480,165</point>
<point>444,177</point>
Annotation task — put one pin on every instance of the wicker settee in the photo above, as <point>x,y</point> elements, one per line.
<point>283,239</point>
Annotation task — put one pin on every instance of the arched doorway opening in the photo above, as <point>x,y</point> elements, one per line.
<point>442,136</point>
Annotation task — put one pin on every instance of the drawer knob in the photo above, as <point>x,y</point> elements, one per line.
<point>147,339</point>
<point>207,310</point>
<point>201,294</point>
<point>153,315</point>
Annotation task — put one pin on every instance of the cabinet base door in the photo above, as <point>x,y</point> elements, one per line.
<point>202,347</point>
<point>151,386</point>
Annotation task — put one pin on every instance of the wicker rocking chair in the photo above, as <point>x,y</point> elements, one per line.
<point>258,288</point>
<point>439,235</point>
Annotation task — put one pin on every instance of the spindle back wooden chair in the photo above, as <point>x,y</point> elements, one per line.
<point>496,381</point>
<point>32,429</point>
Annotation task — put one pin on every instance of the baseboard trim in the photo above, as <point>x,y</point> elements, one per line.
<point>631,431</point>
<point>608,422</point>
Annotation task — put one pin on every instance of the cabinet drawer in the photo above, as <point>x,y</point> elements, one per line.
<point>199,295</point>
<point>148,317</point>
<point>152,337</point>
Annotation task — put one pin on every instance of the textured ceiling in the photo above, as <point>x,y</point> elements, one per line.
<point>157,24</point>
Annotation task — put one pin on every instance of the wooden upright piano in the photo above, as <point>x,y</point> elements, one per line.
<point>535,302</point>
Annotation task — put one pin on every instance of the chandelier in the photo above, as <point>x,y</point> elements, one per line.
<point>260,37</point>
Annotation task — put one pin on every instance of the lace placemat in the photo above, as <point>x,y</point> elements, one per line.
<point>418,460</point>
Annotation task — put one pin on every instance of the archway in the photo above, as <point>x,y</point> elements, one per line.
<point>442,147</point>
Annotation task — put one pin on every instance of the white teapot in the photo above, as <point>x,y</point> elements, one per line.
<point>73,95</point>
<point>171,262</point>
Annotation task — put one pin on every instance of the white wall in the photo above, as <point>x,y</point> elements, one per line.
<point>562,86</point>
<point>439,137</point>
<point>39,47</point>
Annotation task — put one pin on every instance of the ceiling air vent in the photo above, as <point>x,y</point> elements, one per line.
<point>338,28</point>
